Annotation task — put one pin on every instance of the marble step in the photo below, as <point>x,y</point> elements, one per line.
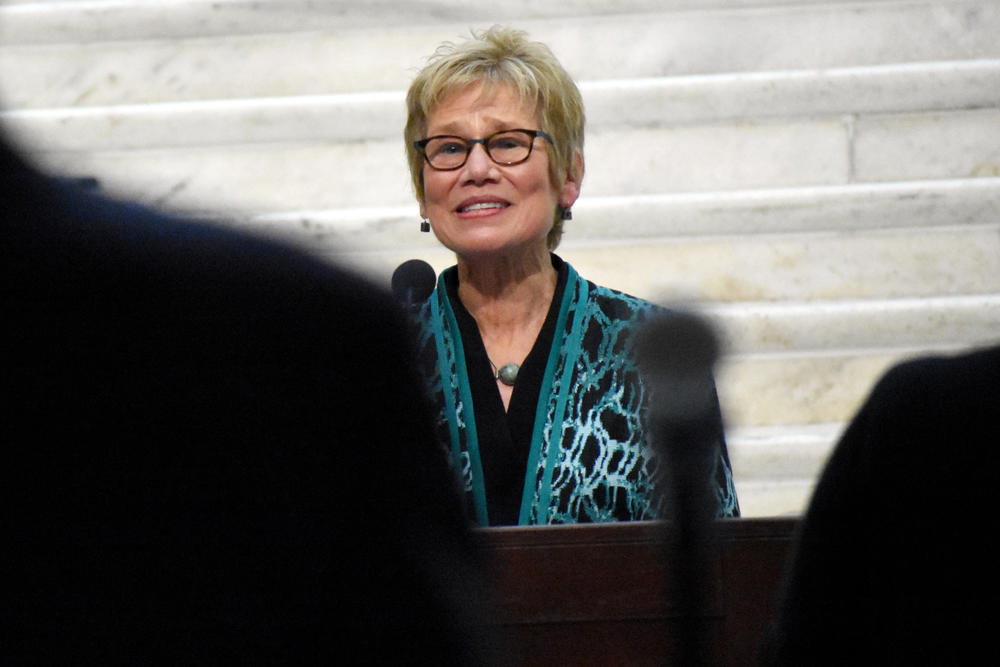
<point>772,328</point>
<point>824,224</point>
<point>611,105</point>
<point>750,251</point>
<point>775,468</point>
<point>621,161</point>
<point>784,416</point>
<point>814,362</point>
<point>763,498</point>
<point>56,21</point>
<point>90,57</point>
<point>895,263</point>
<point>788,452</point>
<point>916,239</point>
<point>901,264</point>
<point>808,387</point>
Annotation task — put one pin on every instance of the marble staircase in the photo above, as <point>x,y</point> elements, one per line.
<point>821,178</point>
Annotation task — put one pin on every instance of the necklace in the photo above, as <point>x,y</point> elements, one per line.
<point>507,373</point>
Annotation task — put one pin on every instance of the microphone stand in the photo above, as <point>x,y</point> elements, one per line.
<point>676,355</point>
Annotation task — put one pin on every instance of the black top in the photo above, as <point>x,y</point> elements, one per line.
<point>505,437</point>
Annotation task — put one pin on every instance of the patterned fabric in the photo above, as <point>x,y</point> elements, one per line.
<point>587,461</point>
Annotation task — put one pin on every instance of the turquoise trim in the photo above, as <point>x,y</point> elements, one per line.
<point>465,394</point>
<point>544,396</point>
<point>445,372</point>
<point>571,350</point>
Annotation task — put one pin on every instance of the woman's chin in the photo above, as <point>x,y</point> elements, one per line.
<point>494,249</point>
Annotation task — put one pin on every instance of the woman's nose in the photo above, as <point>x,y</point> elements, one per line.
<point>478,164</point>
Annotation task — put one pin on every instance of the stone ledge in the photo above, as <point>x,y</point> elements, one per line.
<point>637,166</point>
<point>53,22</point>
<point>628,219</point>
<point>895,263</point>
<point>786,452</point>
<point>628,103</point>
<point>761,498</point>
<point>776,38</point>
<point>860,207</point>
<point>787,326</point>
<point>807,388</point>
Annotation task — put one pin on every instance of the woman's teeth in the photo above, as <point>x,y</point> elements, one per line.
<point>478,207</point>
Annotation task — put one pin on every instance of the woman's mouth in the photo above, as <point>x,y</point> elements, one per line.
<point>482,206</point>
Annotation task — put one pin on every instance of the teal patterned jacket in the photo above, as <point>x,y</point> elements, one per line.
<point>587,460</point>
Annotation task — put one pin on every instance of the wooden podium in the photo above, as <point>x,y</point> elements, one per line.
<point>601,594</point>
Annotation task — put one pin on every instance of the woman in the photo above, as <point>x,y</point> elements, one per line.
<point>529,364</point>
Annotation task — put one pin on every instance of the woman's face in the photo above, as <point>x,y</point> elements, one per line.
<point>483,208</point>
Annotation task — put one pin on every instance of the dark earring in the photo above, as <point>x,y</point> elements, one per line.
<point>425,225</point>
<point>565,213</point>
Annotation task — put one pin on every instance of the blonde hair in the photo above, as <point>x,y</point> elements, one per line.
<point>501,56</point>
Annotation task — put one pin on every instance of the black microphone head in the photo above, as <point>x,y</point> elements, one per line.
<point>413,281</point>
<point>676,353</point>
<point>677,343</point>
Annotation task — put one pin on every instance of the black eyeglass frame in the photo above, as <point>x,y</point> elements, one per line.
<point>421,145</point>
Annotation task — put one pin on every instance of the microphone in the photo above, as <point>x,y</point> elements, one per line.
<point>412,282</point>
<point>676,353</point>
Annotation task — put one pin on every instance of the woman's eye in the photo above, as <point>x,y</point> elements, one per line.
<point>506,143</point>
<point>450,148</point>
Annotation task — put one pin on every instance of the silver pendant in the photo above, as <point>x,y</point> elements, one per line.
<point>508,373</point>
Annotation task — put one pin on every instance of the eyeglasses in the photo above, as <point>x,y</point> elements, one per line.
<point>507,147</point>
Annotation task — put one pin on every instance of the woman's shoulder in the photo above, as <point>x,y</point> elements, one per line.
<point>620,305</point>
<point>601,293</point>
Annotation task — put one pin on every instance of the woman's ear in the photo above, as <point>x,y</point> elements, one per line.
<point>571,186</point>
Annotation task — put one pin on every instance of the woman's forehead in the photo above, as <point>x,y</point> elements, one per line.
<point>496,103</point>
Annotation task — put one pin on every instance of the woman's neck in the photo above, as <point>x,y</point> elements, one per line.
<point>509,302</point>
<point>508,296</point>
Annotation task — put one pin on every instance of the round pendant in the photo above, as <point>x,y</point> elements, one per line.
<point>508,373</point>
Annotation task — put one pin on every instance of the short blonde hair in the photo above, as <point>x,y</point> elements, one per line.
<point>501,56</point>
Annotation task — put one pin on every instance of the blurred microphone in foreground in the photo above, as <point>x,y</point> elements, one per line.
<point>676,354</point>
